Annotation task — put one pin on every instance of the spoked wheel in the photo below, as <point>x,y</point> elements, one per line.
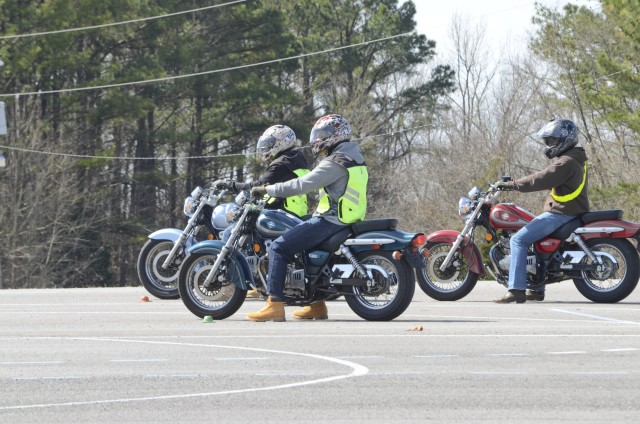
<point>160,282</point>
<point>453,283</point>
<point>618,275</point>
<point>221,299</point>
<point>392,291</point>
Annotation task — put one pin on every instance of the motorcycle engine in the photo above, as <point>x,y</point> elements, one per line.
<point>294,284</point>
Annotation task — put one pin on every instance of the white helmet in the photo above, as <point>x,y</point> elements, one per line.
<point>275,140</point>
<point>329,131</point>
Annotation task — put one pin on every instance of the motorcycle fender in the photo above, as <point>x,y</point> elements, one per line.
<point>469,250</point>
<point>245,281</point>
<point>166,234</point>
<point>391,239</point>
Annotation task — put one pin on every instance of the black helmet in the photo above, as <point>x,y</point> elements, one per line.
<point>559,135</point>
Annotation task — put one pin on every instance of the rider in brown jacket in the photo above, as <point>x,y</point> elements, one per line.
<point>566,177</point>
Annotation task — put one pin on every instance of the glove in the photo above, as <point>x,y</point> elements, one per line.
<point>220,184</point>
<point>259,191</point>
<point>503,185</point>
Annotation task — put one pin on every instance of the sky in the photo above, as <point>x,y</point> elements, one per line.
<point>507,21</point>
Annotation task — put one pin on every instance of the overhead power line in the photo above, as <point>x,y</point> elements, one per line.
<point>86,28</point>
<point>195,74</point>
<point>168,158</point>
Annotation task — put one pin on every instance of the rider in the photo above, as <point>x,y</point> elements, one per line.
<point>566,177</point>
<point>278,146</point>
<point>342,180</point>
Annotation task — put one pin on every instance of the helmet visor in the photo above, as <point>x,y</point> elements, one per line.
<point>321,133</point>
<point>265,144</point>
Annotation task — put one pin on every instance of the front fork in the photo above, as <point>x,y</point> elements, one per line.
<point>226,249</point>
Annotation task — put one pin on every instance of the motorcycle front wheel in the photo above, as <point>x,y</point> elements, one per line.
<point>454,283</point>
<point>615,280</point>
<point>221,299</point>
<point>392,291</point>
<point>160,282</point>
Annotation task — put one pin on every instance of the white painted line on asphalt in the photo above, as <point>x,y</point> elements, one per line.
<point>590,373</point>
<point>569,352</point>
<point>241,359</point>
<point>138,360</point>
<point>50,378</point>
<point>596,317</point>
<point>498,372</point>
<point>357,371</point>
<point>626,349</point>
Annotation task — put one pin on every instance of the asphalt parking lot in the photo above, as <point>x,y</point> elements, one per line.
<point>102,355</point>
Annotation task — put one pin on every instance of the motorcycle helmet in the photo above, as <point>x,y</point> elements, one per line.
<point>275,140</point>
<point>559,135</point>
<point>328,132</point>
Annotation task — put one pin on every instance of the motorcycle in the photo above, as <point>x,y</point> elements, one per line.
<point>160,257</point>
<point>592,249</point>
<point>369,263</point>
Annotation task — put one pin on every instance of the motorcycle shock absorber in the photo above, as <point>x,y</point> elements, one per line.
<point>354,262</point>
<point>578,240</point>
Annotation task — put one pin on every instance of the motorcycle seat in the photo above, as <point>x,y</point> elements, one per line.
<point>374,225</point>
<point>601,215</point>
<point>332,243</point>
<point>565,230</point>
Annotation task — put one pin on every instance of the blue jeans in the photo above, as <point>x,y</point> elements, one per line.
<point>540,227</point>
<point>303,236</point>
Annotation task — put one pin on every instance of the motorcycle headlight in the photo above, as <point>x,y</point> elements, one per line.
<point>190,206</point>
<point>197,192</point>
<point>464,207</point>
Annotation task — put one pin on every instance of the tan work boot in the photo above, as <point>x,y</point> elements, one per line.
<point>274,311</point>
<point>316,310</point>
<point>253,294</point>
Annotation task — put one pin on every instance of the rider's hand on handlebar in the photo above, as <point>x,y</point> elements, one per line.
<point>258,191</point>
<point>220,184</point>
<point>503,185</point>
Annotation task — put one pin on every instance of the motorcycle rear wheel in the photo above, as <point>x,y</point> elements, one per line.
<point>613,283</point>
<point>391,296</point>
<point>219,301</point>
<point>452,284</point>
<point>161,283</point>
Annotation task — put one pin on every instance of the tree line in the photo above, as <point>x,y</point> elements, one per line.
<point>183,99</point>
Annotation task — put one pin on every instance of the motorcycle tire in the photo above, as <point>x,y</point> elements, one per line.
<point>161,283</point>
<point>450,285</point>
<point>390,297</point>
<point>612,284</point>
<point>221,300</point>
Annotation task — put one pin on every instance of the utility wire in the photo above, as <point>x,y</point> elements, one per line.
<point>60,31</point>
<point>168,158</point>
<point>195,74</point>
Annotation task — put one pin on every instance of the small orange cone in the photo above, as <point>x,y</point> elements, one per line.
<point>144,299</point>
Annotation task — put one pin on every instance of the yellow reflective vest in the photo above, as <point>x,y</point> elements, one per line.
<point>352,205</point>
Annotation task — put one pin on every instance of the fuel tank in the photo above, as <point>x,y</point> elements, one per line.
<point>509,216</point>
<point>273,223</point>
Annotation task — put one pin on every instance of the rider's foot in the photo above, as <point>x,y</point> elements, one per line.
<point>274,311</point>
<point>517,296</point>
<point>316,310</point>
<point>535,295</point>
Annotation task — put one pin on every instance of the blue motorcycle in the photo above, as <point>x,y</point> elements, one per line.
<point>370,263</point>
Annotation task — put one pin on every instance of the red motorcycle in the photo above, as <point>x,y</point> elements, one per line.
<point>593,250</point>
